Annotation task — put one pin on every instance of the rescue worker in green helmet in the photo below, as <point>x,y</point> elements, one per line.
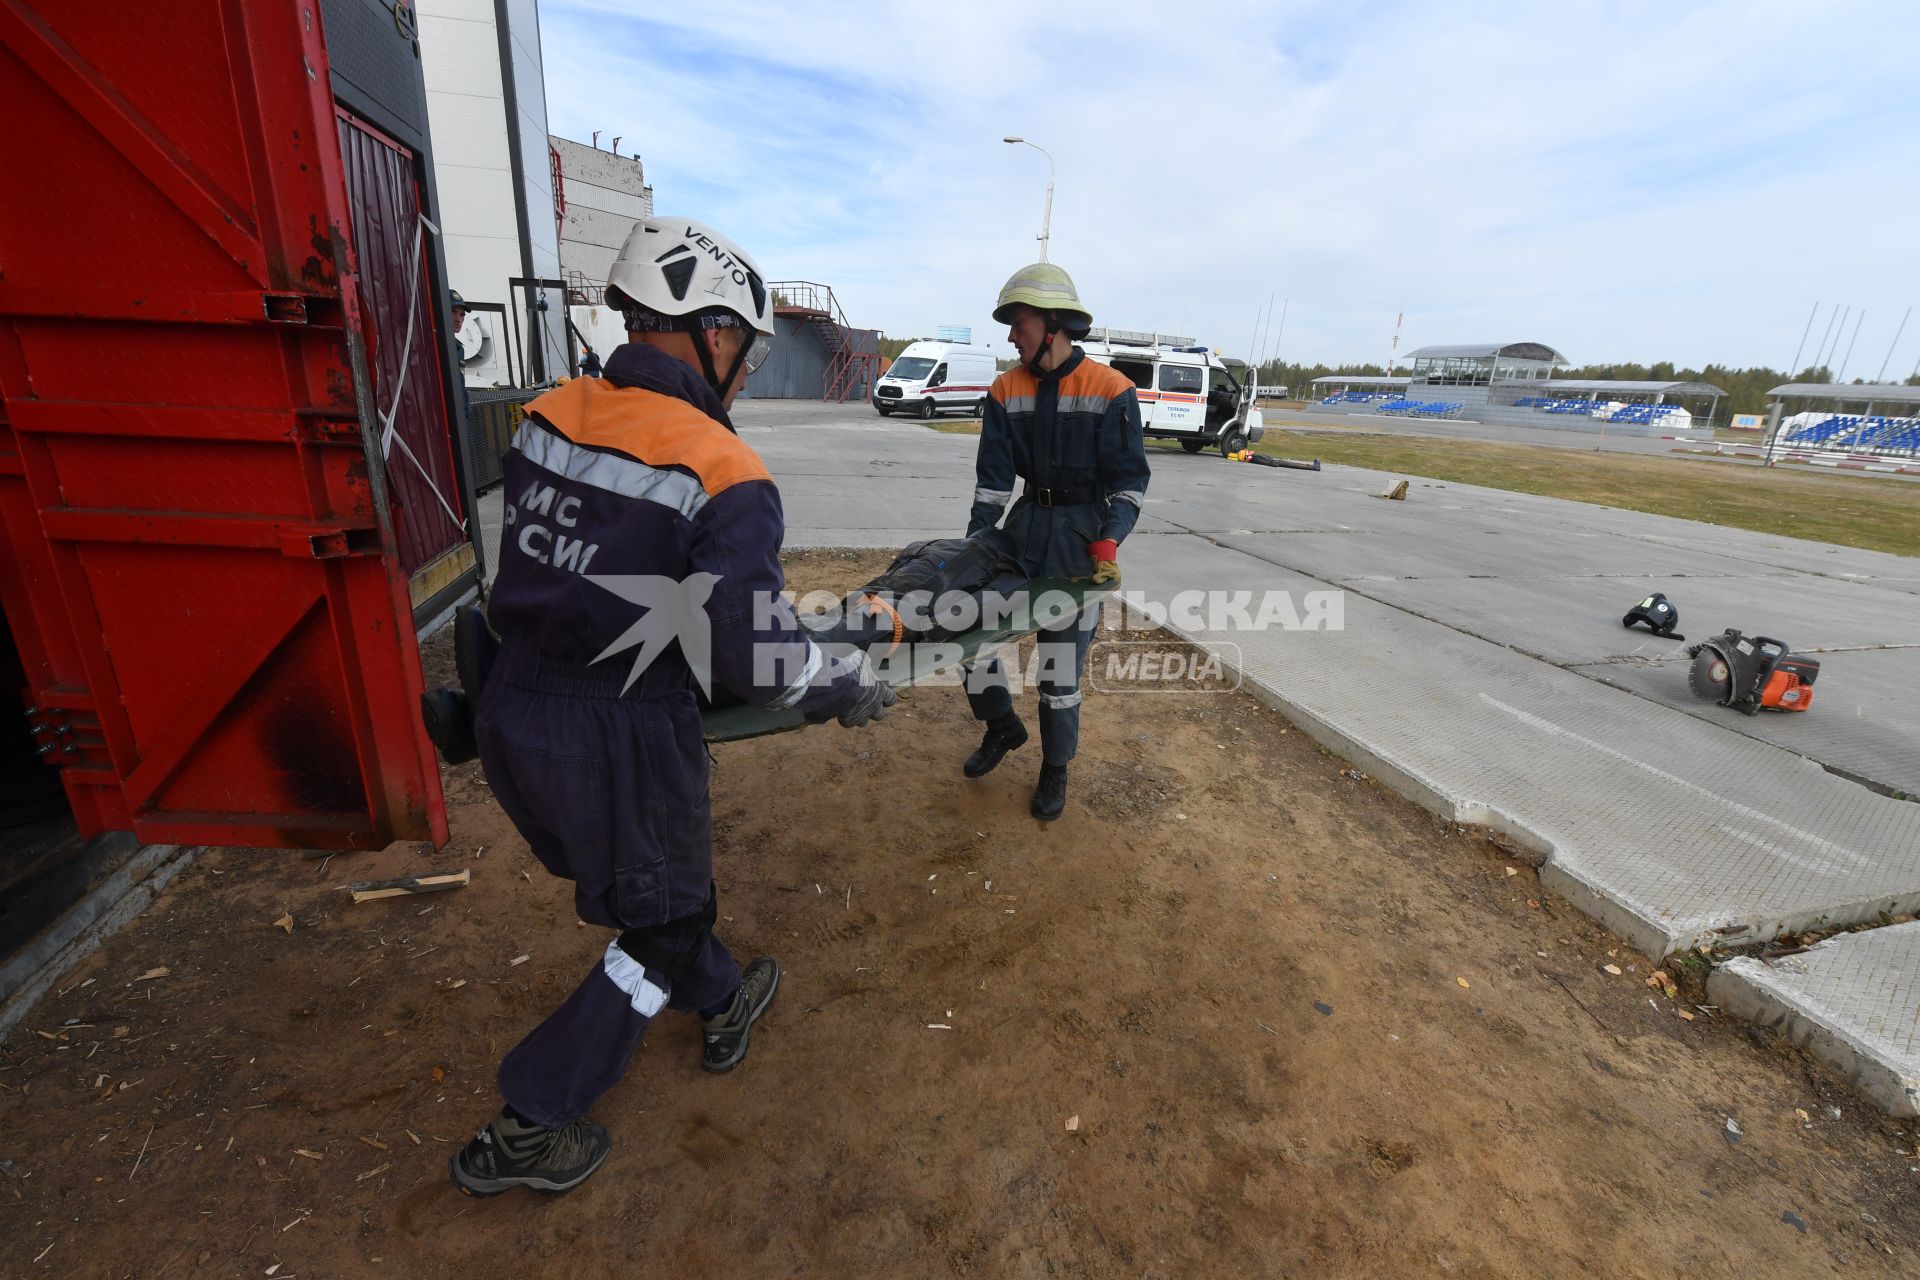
<point>1069,429</point>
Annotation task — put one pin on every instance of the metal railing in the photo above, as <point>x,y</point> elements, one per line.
<point>848,372</point>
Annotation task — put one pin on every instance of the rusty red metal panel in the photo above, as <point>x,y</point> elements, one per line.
<point>389,244</point>
<point>198,557</point>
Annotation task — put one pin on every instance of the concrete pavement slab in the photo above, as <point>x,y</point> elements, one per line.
<point>1850,1001</point>
<point>1576,619</point>
<point>1421,546</point>
<point>1669,829</point>
<point>1865,721</point>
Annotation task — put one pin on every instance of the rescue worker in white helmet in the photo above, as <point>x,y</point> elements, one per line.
<point>640,559</point>
<point>1069,428</point>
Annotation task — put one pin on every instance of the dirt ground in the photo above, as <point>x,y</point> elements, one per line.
<point>1239,1013</point>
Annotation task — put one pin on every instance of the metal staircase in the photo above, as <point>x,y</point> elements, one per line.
<point>849,372</point>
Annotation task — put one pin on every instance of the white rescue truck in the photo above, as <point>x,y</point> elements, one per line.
<point>934,377</point>
<point>1186,392</point>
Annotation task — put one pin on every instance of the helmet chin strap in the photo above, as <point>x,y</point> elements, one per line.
<point>1034,365</point>
<point>696,333</point>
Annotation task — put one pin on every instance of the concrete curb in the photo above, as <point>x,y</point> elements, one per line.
<point>87,924</point>
<point>1843,1001</point>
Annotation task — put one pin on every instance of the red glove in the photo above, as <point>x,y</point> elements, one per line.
<point>1105,555</point>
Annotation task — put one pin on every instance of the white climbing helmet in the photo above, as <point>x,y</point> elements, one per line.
<point>673,274</point>
<point>676,267</point>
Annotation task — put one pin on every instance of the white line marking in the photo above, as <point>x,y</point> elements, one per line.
<point>1547,726</point>
<point>1819,867</point>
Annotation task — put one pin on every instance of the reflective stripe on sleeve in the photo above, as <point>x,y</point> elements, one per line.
<point>798,689</point>
<point>609,471</point>
<point>631,977</point>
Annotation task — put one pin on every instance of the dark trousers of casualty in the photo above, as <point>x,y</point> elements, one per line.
<point>1060,654</point>
<point>608,795</point>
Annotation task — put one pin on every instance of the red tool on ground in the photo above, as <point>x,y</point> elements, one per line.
<point>1752,674</point>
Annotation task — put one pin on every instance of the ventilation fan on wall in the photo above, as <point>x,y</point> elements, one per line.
<point>476,344</point>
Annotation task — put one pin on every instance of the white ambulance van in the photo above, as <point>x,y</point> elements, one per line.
<point>1186,392</point>
<point>936,377</point>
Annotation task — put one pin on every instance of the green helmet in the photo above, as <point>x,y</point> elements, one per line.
<point>1045,288</point>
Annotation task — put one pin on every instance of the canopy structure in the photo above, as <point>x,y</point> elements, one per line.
<point>1618,388</point>
<point>1361,380</point>
<point>1870,394</point>
<point>1700,398</point>
<point>1479,364</point>
<point>1476,350</point>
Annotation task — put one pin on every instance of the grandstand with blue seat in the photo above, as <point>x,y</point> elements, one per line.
<point>1342,389</point>
<point>1513,384</point>
<point>1871,419</point>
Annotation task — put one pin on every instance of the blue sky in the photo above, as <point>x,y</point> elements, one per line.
<point>1625,180</point>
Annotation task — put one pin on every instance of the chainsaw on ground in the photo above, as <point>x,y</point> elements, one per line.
<point>1751,674</point>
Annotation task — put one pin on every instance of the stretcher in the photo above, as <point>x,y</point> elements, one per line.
<point>1044,602</point>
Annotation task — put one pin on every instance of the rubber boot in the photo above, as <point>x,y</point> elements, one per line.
<point>1004,734</point>
<point>1050,793</point>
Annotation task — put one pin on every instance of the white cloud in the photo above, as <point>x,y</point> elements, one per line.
<point>1625,180</point>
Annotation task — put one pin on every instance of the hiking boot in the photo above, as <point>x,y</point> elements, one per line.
<point>508,1154</point>
<point>1050,793</point>
<point>1007,733</point>
<point>726,1034</point>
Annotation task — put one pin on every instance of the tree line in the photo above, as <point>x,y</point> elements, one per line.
<point>1746,388</point>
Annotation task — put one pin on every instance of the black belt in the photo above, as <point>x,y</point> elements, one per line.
<point>1063,497</point>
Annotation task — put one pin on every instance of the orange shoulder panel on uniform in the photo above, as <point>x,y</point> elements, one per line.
<point>657,429</point>
<point>1095,379</point>
<point>1017,381</point>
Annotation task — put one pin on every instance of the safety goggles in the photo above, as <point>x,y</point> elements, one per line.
<point>758,350</point>
<point>759,345</point>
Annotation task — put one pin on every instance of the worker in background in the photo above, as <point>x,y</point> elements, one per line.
<point>1069,427</point>
<point>462,406</point>
<point>640,557</point>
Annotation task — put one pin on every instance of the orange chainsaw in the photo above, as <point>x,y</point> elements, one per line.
<point>1751,674</point>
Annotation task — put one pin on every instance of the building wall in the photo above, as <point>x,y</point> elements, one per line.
<point>796,368</point>
<point>606,195</point>
<point>493,228</point>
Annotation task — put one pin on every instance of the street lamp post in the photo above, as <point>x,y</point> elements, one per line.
<point>1046,220</point>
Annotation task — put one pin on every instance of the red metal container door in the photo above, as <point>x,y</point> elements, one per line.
<point>396,300</point>
<point>198,565</point>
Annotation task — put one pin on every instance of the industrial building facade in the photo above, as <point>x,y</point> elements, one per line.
<point>487,108</point>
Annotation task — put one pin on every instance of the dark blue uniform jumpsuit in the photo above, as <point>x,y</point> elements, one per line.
<point>642,542</point>
<point>1074,437</point>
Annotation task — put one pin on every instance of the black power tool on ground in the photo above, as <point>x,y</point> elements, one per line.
<point>1658,613</point>
<point>1751,674</point>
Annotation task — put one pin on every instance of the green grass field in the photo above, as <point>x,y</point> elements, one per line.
<point>1879,513</point>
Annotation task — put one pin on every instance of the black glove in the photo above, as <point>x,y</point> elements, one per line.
<point>871,703</point>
